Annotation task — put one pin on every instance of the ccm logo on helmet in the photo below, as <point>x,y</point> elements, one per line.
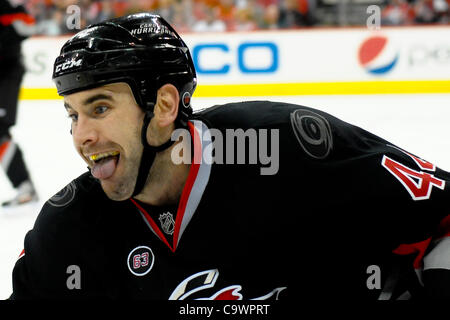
<point>68,65</point>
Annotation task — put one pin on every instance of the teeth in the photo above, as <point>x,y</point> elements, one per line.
<point>98,156</point>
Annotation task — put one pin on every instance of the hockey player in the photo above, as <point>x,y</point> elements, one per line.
<point>254,200</point>
<point>14,26</point>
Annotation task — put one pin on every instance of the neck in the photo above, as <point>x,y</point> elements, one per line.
<point>165,181</point>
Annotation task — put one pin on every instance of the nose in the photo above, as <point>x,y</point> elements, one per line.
<point>84,131</point>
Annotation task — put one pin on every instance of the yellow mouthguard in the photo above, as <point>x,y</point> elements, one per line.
<point>97,156</point>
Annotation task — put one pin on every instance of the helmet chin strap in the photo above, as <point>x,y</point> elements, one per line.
<point>148,154</point>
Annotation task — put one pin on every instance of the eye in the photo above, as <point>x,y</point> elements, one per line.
<point>100,109</point>
<point>73,117</point>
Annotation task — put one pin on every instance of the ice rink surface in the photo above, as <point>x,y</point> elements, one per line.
<point>417,123</point>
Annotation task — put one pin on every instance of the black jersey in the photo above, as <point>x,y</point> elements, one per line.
<point>319,209</point>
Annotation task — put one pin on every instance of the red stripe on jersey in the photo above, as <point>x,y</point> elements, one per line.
<point>22,253</point>
<point>8,19</point>
<point>3,147</point>
<point>189,183</point>
<point>193,171</point>
<point>444,228</point>
<point>418,248</point>
<point>152,224</point>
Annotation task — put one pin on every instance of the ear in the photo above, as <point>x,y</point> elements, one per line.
<point>166,107</point>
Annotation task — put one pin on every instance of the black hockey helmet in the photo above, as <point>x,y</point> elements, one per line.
<point>141,49</point>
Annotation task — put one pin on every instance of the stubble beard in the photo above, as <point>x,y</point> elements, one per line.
<point>123,188</point>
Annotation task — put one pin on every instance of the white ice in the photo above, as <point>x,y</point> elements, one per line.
<point>417,123</point>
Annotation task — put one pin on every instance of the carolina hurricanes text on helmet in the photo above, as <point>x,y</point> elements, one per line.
<point>68,64</point>
<point>150,28</point>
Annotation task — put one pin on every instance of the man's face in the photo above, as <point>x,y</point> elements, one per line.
<point>106,127</point>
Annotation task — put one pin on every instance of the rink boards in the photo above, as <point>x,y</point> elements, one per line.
<point>297,62</point>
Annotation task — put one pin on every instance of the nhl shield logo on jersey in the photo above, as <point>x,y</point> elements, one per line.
<point>140,260</point>
<point>167,222</point>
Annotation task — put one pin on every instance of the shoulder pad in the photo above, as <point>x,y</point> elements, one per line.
<point>83,184</point>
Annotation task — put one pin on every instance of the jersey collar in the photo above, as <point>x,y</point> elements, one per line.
<point>194,187</point>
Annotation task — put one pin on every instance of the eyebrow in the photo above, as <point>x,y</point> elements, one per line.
<point>99,96</point>
<point>67,106</point>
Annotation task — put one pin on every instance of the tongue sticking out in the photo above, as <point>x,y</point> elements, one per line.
<point>104,168</point>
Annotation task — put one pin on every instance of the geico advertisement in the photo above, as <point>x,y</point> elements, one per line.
<point>413,53</point>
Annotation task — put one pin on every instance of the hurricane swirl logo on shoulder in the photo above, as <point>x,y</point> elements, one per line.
<point>65,196</point>
<point>377,55</point>
<point>313,132</point>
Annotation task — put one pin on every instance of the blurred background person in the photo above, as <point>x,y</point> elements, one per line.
<point>442,9</point>
<point>425,12</point>
<point>271,17</point>
<point>210,22</point>
<point>15,26</point>
<point>397,12</point>
<point>243,20</point>
<point>295,13</point>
